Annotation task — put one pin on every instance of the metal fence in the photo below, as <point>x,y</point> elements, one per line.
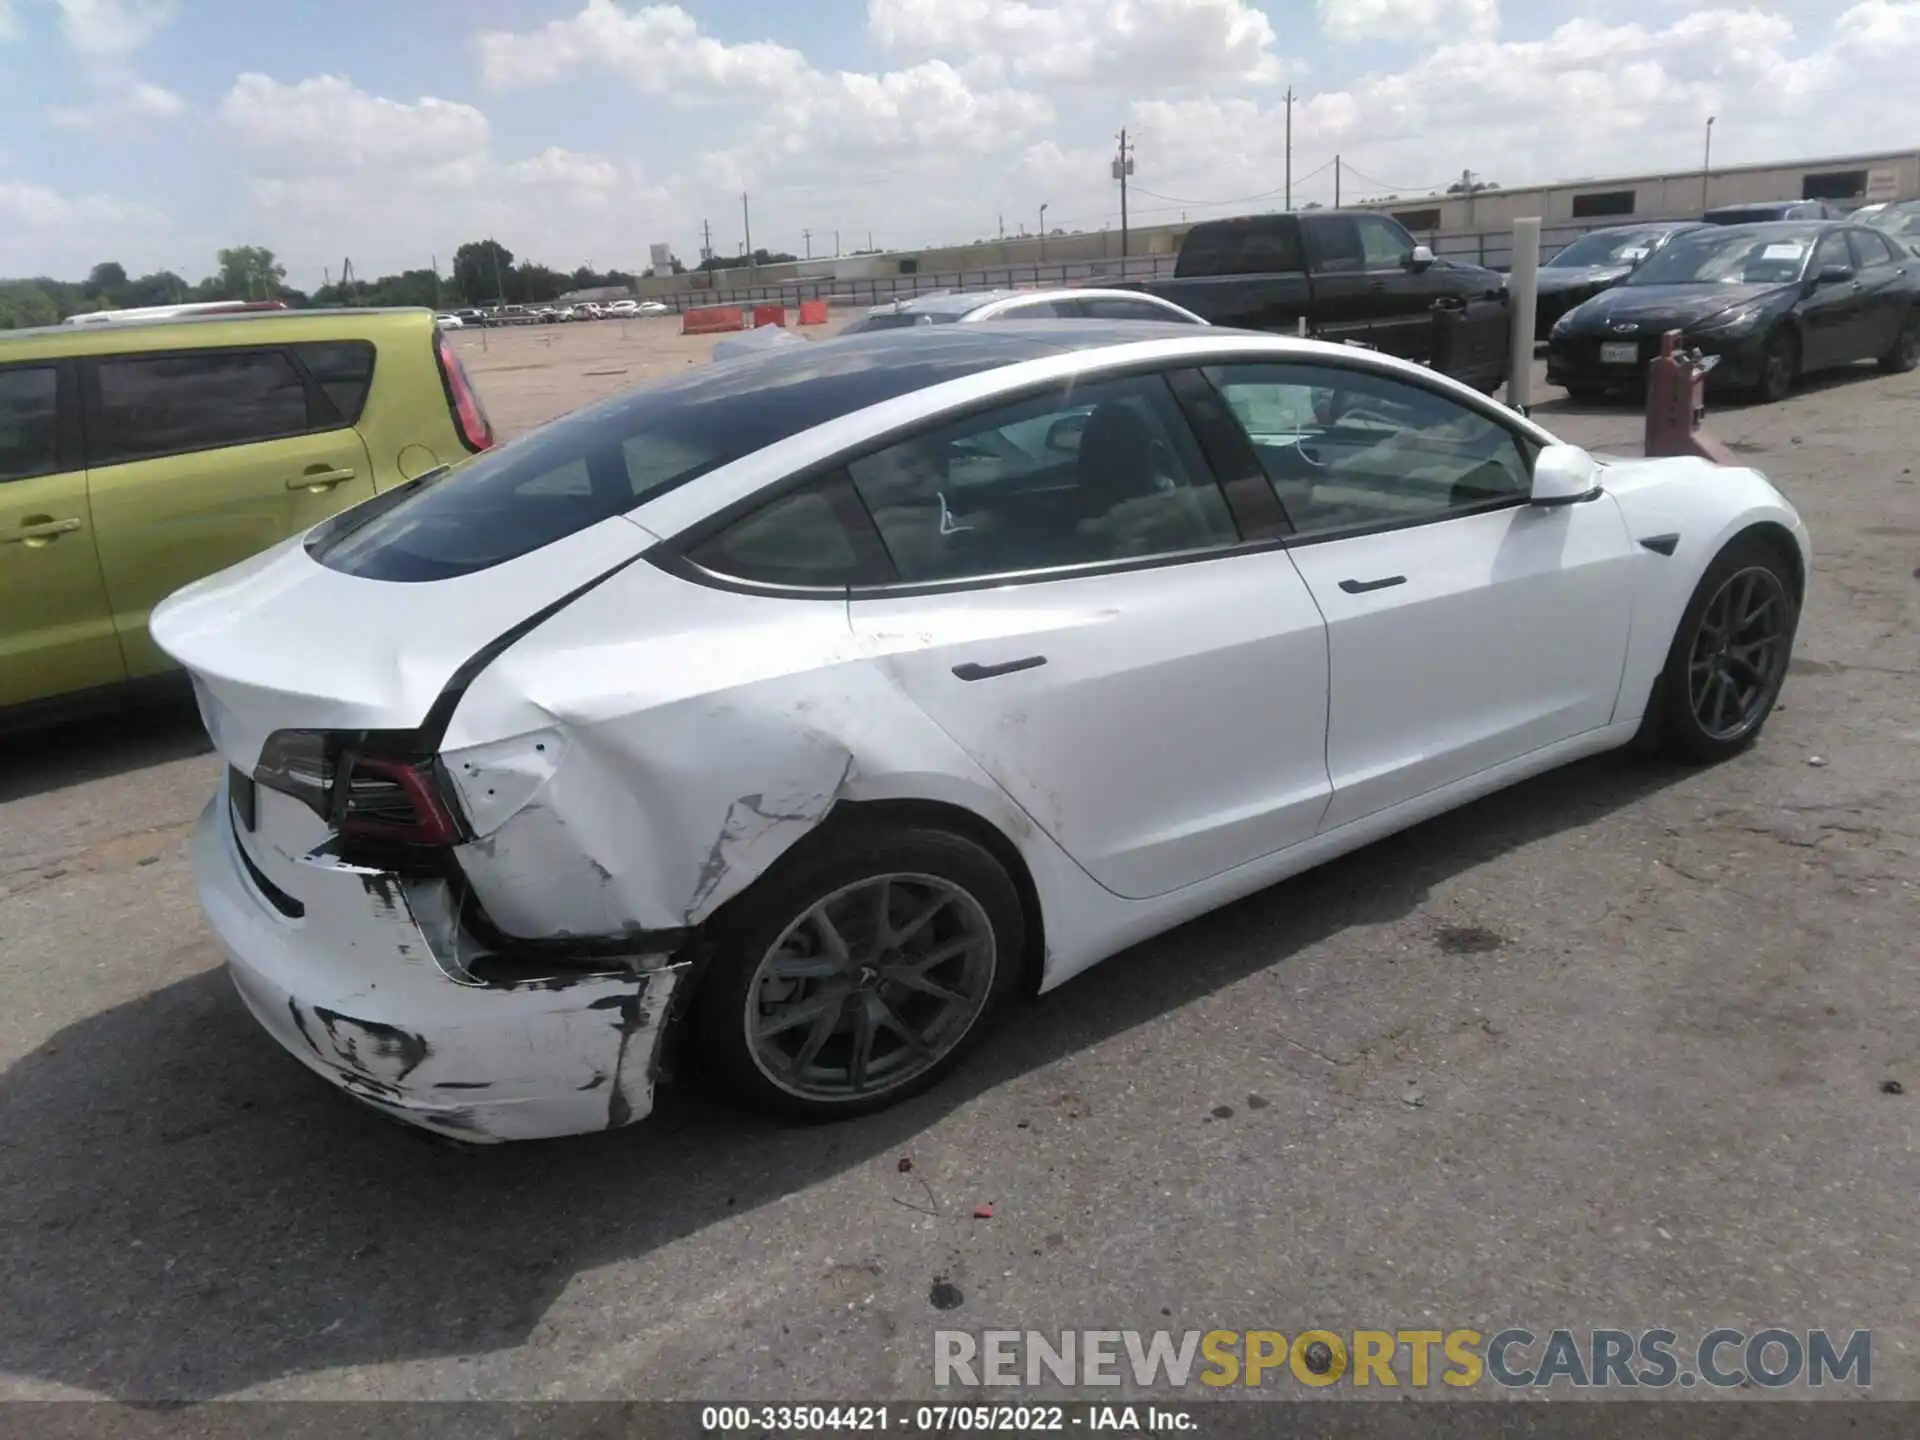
<point>1492,248</point>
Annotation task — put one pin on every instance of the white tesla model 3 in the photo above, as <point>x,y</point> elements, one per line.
<point>804,707</point>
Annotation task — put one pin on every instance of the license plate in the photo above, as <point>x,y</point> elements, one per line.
<point>1624,352</point>
<point>240,791</point>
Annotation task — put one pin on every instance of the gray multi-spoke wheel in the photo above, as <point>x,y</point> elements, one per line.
<point>1729,655</point>
<point>1739,654</point>
<point>1779,366</point>
<point>870,986</point>
<point>860,968</point>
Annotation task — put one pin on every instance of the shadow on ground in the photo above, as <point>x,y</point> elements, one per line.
<point>186,1212</point>
<point>154,732</point>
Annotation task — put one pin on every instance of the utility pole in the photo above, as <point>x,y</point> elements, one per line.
<point>869,240</point>
<point>1336,182</point>
<point>1289,147</point>
<point>746,226</point>
<point>499,286</point>
<point>1043,230</point>
<point>436,282</point>
<point>1706,163</point>
<point>1122,168</point>
<point>806,239</point>
<point>836,244</point>
<point>706,240</point>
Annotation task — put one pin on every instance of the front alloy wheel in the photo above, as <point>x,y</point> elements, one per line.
<point>1779,366</point>
<point>1739,655</point>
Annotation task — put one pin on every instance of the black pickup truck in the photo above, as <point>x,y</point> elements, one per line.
<point>1353,275</point>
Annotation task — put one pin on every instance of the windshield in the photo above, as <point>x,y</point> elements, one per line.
<point>899,320</point>
<point>1603,247</point>
<point>1744,257</point>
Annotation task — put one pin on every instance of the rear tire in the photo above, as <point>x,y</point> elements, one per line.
<point>792,998</point>
<point>1728,658</point>
<point>1905,354</point>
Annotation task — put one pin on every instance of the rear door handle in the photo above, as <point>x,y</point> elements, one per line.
<point>323,479</point>
<point>971,671</point>
<point>1361,587</point>
<point>41,530</point>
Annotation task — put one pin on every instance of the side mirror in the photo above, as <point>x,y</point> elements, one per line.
<point>1564,475</point>
<point>1420,259</point>
<point>1833,275</point>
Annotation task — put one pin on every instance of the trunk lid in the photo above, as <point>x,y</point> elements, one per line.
<point>282,642</point>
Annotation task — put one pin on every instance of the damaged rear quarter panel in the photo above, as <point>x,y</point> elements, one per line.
<point>680,758</point>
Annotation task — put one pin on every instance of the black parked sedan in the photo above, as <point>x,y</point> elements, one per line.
<point>1597,261</point>
<point>1774,302</point>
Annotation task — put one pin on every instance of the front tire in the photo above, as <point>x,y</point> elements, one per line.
<point>1728,659</point>
<point>1905,354</point>
<point>1779,366</point>
<point>860,971</point>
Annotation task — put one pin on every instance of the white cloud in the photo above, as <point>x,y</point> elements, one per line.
<point>133,104</point>
<point>111,29</point>
<point>1348,20</point>
<point>8,26</point>
<point>333,170</point>
<point>658,49</point>
<point>1112,44</point>
<point>42,229</point>
<point>326,124</point>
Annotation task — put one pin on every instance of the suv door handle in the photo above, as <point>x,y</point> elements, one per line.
<point>1361,587</point>
<point>323,478</point>
<point>971,671</point>
<point>40,530</point>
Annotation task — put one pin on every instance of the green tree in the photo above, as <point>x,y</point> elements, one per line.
<point>163,287</point>
<point>484,269</point>
<point>107,283</point>
<point>249,272</point>
<point>25,303</point>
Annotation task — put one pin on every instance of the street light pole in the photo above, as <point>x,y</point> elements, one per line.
<point>1043,231</point>
<point>1706,164</point>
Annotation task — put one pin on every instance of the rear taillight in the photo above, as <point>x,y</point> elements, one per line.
<point>470,416</point>
<point>379,797</point>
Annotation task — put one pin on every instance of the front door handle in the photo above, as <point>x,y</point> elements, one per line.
<point>322,477</point>
<point>1361,587</point>
<point>39,530</point>
<point>971,671</point>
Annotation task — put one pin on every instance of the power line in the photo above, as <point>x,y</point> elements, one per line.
<point>1237,199</point>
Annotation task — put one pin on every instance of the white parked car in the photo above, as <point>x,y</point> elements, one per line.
<point>652,307</point>
<point>813,710</point>
<point>623,307</point>
<point>449,322</point>
<point>947,307</point>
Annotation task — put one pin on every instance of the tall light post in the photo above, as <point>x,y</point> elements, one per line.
<point>1706,163</point>
<point>1043,231</point>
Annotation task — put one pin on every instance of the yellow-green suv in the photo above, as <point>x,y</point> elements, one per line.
<point>136,457</point>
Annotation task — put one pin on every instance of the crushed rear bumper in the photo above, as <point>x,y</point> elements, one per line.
<point>358,988</point>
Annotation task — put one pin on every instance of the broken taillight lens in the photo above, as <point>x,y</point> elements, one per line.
<point>380,797</point>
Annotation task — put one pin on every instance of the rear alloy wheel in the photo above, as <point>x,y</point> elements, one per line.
<point>1905,354</point>
<point>861,973</point>
<point>1779,366</point>
<point>1729,656</point>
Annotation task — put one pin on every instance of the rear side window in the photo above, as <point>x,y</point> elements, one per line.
<point>1870,250</point>
<point>344,371</point>
<point>1105,309</point>
<point>174,404</point>
<point>29,422</point>
<point>1240,249</point>
<point>814,537</point>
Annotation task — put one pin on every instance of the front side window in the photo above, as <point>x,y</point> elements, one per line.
<point>1384,244</point>
<point>174,404</point>
<point>1092,473</point>
<point>1349,448</point>
<point>29,422</point>
<point>1833,251</point>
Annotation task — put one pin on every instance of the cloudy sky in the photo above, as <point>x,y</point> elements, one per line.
<point>154,131</point>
